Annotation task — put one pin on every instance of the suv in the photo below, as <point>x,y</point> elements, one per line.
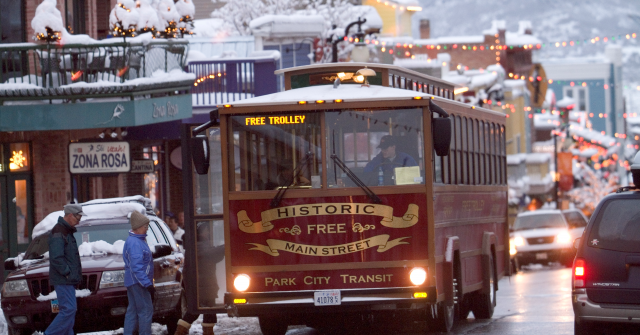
<point>544,236</point>
<point>29,302</point>
<point>606,271</point>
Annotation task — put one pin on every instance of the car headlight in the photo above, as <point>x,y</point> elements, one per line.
<point>15,288</point>
<point>112,279</point>
<point>512,248</point>
<point>518,241</point>
<point>563,238</point>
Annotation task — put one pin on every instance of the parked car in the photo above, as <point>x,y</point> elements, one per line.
<point>544,236</point>
<point>606,272</point>
<point>28,300</point>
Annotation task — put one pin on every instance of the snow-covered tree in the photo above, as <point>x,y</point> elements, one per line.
<point>594,188</point>
<point>168,14</point>
<point>124,18</point>
<point>148,21</point>
<point>237,14</point>
<point>47,22</point>
<point>187,10</point>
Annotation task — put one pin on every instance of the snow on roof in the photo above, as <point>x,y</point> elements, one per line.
<point>538,158</point>
<point>457,78</point>
<point>520,39</point>
<point>208,28</point>
<point>93,211</point>
<point>546,121</point>
<point>451,40</point>
<point>523,26</point>
<point>276,26</point>
<point>158,76</point>
<point>483,80</point>
<point>593,136</point>
<point>347,92</point>
<point>415,63</point>
<point>516,159</point>
<point>374,21</point>
<point>514,83</point>
<point>584,153</point>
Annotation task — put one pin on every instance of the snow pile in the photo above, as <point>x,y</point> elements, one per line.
<point>124,16</point>
<point>47,15</point>
<point>98,248</point>
<point>53,296</point>
<point>167,11</point>
<point>148,17</point>
<point>288,25</point>
<point>95,211</point>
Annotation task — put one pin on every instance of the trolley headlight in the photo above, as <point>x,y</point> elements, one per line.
<point>241,283</point>
<point>15,288</point>
<point>418,276</point>
<point>112,279</point>
<point>518,241</point>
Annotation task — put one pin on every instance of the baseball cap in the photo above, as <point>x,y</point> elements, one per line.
<point>73,209</point>
<point>386,141</point>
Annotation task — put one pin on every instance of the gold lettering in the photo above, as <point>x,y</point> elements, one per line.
<point>378,278</point>
<point>352,279</point>
<point>268,281</point>
<point>302,118</point>
<point>305,280</point>
<point>331,228</point>
<point>322,228</point>
<point>341,228</point>
<point>344,278</point>
<point>310,228</point>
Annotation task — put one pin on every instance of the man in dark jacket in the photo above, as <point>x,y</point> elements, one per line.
<point>386,161</point>
<point>65,269</point>
<point>138,277</point>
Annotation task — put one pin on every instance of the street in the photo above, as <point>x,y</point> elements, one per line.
<point>536,300</point>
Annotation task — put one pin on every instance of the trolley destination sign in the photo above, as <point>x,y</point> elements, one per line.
<point>99,157</point>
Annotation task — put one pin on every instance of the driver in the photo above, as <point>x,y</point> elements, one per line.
<point>387,160</point>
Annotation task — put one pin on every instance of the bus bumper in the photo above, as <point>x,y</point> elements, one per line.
<point>301,302</point>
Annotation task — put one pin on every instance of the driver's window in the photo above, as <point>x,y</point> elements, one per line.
<point>380,147</point>
<point>154,237</point>
<point>272,151</point>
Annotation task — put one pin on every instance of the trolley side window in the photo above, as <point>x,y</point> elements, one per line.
<point>381,147</point>
<point>269,149</point>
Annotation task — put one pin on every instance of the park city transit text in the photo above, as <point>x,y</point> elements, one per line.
<point>261,121</point>
<point>343,279</point>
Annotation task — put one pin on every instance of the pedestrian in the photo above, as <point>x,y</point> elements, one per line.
<point>65,269</point>
<point>138,277</point>
<point>172,222</point>
<point>181,219</point>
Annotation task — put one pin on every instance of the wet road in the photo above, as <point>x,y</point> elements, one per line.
<point>534,301</point>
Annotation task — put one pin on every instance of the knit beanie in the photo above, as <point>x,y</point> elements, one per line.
<point>138,220</point>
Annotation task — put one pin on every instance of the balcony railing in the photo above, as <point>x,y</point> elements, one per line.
<point>224,81</point>
<point>51,71</point>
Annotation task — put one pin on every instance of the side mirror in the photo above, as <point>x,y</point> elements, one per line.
<point>9,264</point>
<point>162,250</point>
<point>576,243</point>
<point>441,135</point>
<point>200,153</point>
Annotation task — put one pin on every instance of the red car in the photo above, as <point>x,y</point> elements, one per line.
<point>28,300</point>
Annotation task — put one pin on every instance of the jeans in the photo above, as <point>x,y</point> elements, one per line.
<point>139,311</point>
<point>63,322</point>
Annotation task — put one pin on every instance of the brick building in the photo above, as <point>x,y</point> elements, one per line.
<point>39,122</point>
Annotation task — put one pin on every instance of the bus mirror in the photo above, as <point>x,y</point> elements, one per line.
<point>442,135</point>
<point>200,153</point>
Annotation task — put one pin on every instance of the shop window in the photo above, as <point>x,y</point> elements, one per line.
<point>152,189</point>
<point>22,223</point>
<point>19,161</point>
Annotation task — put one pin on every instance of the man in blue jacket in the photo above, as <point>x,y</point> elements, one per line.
<point>65,269</point>
<point>386,161</point>
<point>138,277</point>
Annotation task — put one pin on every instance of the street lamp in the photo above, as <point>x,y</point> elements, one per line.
<point>359,36</point>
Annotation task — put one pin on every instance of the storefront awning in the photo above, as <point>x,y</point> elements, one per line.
<point>88,115</point>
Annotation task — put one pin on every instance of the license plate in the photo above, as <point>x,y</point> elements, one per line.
<point>541,255</point>
<point>54,306</point>
<point>326,298</point>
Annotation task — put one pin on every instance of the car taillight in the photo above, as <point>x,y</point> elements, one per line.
<point>579,268</point>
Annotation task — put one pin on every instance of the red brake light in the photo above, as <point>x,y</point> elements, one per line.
<point>578,273</point>
<point>579,268</point>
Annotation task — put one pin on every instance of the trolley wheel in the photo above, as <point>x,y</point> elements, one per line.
<point>271,325</point>
<point>485,301</point>
<point>440,317</point>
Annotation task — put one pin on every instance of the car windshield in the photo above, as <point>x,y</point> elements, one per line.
<point>549,220</point>
<point>617,226</point>
<point>109,233</point>
<point>575,219</point>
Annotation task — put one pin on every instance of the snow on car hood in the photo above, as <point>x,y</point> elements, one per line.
<point>38,268</point>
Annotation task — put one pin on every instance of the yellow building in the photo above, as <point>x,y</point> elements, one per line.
<point>396,15</point>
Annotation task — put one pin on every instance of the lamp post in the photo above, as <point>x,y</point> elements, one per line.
<point>334,42</point>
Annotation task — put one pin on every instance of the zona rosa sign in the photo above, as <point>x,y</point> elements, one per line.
<point>99,157</point>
